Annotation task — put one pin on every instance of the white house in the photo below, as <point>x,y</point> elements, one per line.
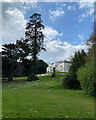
<point>60,66</point>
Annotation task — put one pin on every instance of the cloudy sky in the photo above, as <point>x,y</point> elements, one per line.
<point>67,25</point>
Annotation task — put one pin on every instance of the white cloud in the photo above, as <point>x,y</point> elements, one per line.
<point>13,25</point>
<point>13,20</point>
<point>89,9</point>
<point>71,8</point>
<point>19,1</point>
<point>49,0</point>
<point>56,49</point>
<point>85,4</point>
<point>55,14</point>
<point>7,0</point>
<point>13,28</point>
<point>81,36</point>
<point>64,5</point>
<point>50,34</point>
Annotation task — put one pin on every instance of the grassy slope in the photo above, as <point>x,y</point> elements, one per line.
<point>44,99</point>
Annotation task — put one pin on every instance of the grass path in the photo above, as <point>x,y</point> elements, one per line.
<point>45,99</point>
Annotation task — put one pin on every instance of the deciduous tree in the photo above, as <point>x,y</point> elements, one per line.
<point>9,57</point>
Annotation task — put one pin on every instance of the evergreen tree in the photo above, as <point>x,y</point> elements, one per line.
<point>35,40</point>
<point>71,81</point>
<point>34,35</point>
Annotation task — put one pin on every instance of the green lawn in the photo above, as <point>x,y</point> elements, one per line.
<point>44,99</point>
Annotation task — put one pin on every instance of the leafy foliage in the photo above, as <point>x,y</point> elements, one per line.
<point>87,74</point>
<point>22,68</point>
<point>86,77</point>
<point>14,56</point>
<point>32,77</point>
<point>9,57</point>
<point>42,66</point>
<point>71,81</point>
<point>26,64</point>
<point>23,49</point>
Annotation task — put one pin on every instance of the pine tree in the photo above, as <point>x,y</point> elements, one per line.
<point>35,39</point>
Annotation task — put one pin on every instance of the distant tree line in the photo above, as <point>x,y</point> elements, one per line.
<point>21,58</point>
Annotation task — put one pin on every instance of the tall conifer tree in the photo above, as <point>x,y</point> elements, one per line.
<point>35,39</point>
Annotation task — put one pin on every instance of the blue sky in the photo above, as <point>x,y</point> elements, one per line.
<point>67,25</point>
<point>74,31</point>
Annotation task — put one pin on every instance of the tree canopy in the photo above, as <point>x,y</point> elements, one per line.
<point>34,35</point>
<point>71,81</point>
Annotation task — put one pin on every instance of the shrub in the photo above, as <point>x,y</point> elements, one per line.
<point>70,82</point>
<point>87,74</point>
<point>32,77</point>
<point>86,77</point>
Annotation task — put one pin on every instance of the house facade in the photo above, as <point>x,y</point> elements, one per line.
<point>60,66</point>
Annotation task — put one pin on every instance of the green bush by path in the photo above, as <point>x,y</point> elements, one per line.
<point>45,99</point>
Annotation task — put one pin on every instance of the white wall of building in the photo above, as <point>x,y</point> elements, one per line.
<point>66,67</point>
<point>59,66</point>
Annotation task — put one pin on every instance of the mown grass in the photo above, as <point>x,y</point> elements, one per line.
<point>45,98</point>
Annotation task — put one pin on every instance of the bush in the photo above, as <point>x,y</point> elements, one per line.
<point>87,78</point>
<point>70,82</point>
<point>32,77</point>
<point>87,74</point>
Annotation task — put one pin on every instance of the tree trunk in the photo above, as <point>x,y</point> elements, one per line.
<point>10,78</point>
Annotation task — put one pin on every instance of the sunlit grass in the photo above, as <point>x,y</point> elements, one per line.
<point>45,98</point>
